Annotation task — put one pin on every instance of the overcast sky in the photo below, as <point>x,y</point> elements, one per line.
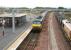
<point>35,3</point>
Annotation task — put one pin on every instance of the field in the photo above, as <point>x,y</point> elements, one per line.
<point>67,15</point>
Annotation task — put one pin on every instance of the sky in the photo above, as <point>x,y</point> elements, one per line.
<point>35,3</point>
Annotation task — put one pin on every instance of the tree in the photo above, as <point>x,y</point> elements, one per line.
<point>61,8</point>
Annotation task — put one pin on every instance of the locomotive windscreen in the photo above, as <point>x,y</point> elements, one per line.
<point>36,22</point>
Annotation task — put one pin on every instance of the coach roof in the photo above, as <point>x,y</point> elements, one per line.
<point>67,23</point>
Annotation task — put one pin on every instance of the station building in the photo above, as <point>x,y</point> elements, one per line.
<point>19,19</point>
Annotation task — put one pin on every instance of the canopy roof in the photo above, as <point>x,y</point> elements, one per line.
<point>10,15</point>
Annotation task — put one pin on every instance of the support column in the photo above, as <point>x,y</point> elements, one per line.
<point>13,20</point>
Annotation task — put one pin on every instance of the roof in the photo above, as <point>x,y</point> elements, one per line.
<point>10,15</point>
<point>67,23</point>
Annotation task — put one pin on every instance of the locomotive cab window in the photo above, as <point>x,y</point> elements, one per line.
<point>36,22</point>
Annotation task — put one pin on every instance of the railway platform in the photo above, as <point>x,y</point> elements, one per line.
<point>7,40</point>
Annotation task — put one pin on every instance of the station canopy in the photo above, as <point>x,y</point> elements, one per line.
<point>11,15</point>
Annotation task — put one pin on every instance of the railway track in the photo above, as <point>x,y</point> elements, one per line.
<point>30,42</point>
<point>32,39</point>
<point>61,42</point>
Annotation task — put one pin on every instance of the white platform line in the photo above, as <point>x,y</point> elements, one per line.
<point>17,42</point>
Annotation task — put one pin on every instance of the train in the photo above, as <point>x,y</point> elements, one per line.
<point>66,26</point>
<point>37,23</point>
